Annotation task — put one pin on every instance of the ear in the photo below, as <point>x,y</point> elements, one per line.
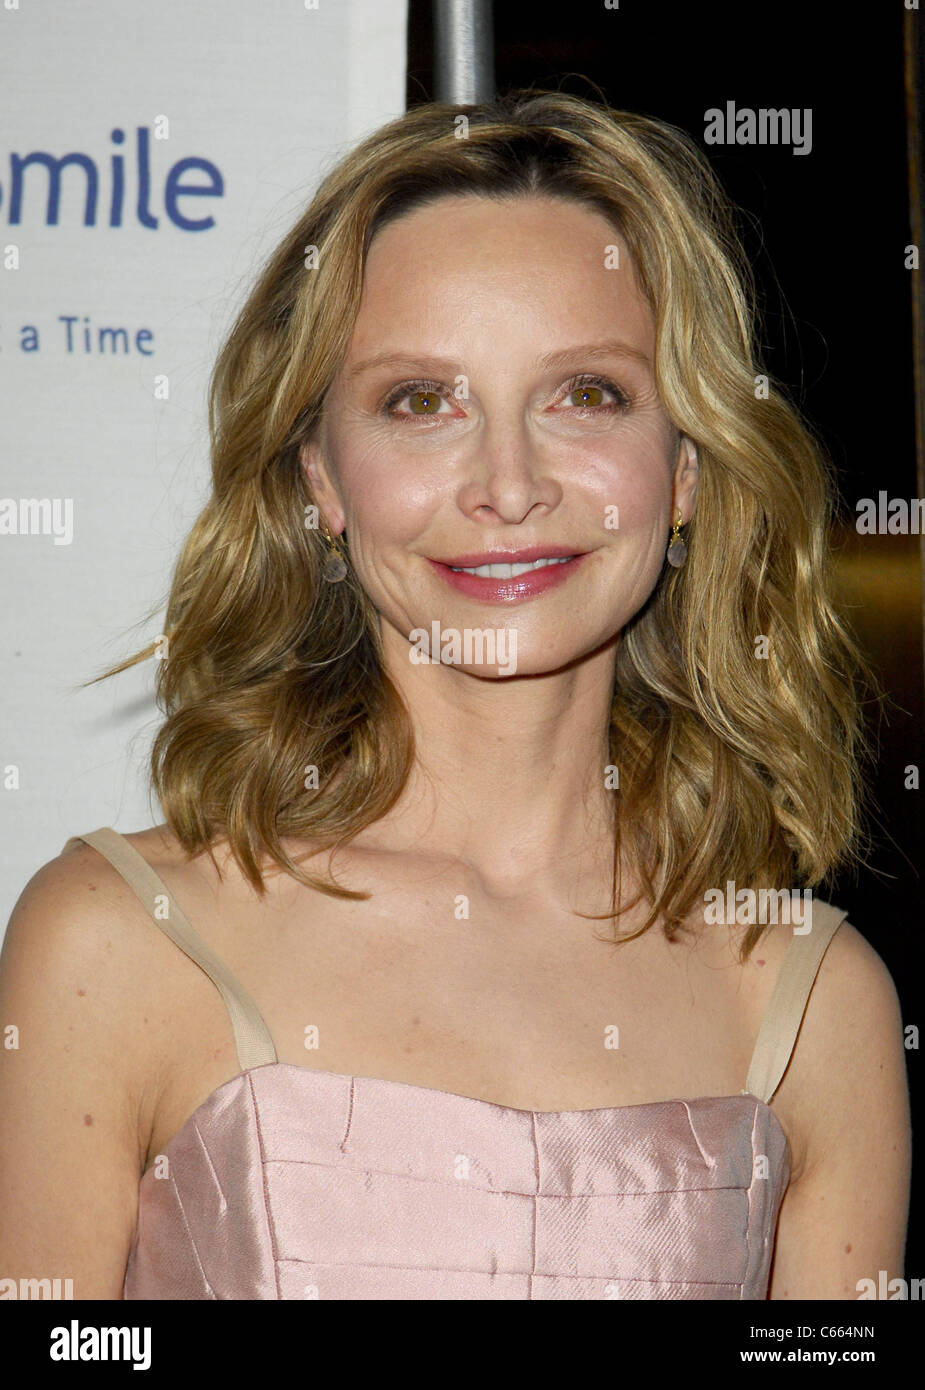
<point>686,478</point>
<point>321,485</point>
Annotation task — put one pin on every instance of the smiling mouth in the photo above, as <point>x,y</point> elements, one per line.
<point>509,571</point>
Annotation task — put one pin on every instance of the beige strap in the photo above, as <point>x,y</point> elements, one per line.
<point>784,1014</point>
<point>251,1035</point>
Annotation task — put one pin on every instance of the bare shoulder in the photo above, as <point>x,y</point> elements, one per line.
<point>215,868</point>
<point>78,899</point>
<point>850,1049</point>
<point>81,942</point>
<point>74,905</point>
<point>844,1215</point>
<point>78,1076</point>
<point>83,959</point>
<point>853,1010</point>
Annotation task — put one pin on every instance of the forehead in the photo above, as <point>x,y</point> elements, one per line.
<point>470,267</point>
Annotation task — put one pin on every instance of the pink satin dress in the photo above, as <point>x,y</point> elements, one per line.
<point>292,1183</point>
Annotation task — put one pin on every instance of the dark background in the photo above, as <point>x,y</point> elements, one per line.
<point>826,234</point>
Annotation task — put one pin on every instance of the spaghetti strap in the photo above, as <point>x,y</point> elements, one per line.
<point>252,1037</point>
<point>784,1014</point>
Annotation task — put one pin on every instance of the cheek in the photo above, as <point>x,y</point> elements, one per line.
<point>629,488</point>
<point>386,490</point>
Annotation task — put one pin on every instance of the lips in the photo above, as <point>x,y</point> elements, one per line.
<point>500,584</point>
<point>508,571</point>
<point>510,557</point>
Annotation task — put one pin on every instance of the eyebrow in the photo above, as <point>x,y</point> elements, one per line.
<point>587,352</point>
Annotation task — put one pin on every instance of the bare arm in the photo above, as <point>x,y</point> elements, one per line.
<point>844,1217</point>
<point>74,1100</point>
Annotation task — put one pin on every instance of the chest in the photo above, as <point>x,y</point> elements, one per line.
<point>514,1003</point>
<point>535,1022</point>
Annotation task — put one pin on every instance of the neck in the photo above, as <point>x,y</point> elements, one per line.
<point>510,772</point>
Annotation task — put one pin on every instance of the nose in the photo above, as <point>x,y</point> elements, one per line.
<point>507,475</point>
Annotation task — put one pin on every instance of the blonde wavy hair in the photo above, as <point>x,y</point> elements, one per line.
<point>731,766</point>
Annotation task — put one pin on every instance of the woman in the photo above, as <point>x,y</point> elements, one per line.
<point>511,1040</point>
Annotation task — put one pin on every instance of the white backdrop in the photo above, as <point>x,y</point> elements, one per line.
<point>116,278</point>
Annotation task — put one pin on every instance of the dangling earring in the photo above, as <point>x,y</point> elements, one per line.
<point>335,565</point>
<point>677,550</point>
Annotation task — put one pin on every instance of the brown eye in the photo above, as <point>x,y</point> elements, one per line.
<point>595,394</point>
<point>586,395</point>
<point>424,402</point>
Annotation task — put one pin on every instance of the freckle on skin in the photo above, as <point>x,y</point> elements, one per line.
<point>847,1249</point>
<point>81,991</point>
<point>88,1119</point>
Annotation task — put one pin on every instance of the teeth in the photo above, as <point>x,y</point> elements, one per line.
<point>509,571</point>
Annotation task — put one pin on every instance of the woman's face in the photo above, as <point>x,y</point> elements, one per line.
<point>497,397</point>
